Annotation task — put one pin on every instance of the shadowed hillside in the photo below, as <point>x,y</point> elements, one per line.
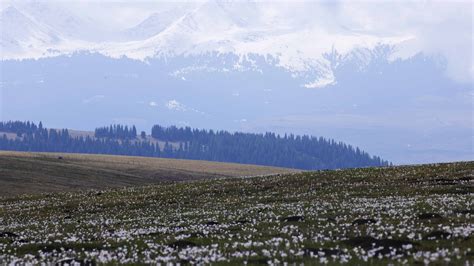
<point>54,172</point>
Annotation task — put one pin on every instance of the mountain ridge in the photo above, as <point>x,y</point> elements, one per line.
<point>241,30</point>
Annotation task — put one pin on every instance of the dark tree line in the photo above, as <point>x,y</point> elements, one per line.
<point>116,132</point>
<point>303,152</point>
<point>19,127</point>
<point>36,138</point>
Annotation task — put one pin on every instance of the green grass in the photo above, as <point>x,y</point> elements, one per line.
<point>242,220</point>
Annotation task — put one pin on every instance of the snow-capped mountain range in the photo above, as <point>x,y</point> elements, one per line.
<point>299,44</point>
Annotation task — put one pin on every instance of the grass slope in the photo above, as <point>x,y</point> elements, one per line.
<point>378,216</point>
<point>44,172</point>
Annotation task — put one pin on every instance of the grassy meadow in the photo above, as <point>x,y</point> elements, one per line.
<point>399,215</point>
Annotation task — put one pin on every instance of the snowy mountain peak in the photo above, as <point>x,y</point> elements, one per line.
<point>20,34</point>
<point>62,20</point>
<point>236,27</point>
<point>149,27</point>
<point>9,11</point>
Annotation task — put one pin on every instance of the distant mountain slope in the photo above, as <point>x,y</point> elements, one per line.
<point>422,117</point>
<point>242,29</point>
<point>20,33</point>
<point>153,24</point>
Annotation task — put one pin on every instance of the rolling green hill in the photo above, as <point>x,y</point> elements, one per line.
<point>22,172</point>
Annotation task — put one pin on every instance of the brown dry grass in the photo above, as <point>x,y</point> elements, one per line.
<point>24,172</point>
<point>80,133</point>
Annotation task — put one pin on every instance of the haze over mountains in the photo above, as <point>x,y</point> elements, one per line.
<point>304,67</point>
